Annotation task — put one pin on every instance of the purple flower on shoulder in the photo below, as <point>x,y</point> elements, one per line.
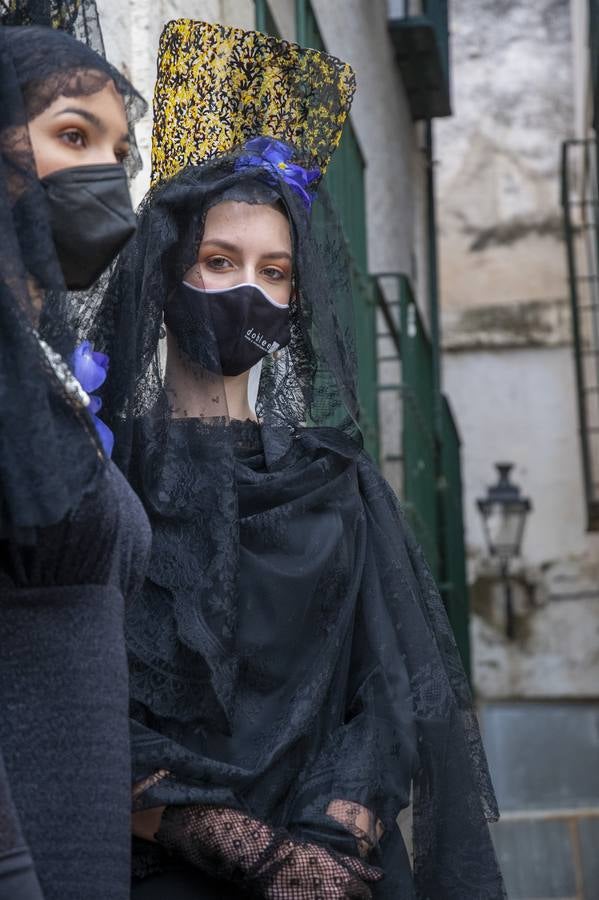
<point>273,156</point>
<point>90,368</point>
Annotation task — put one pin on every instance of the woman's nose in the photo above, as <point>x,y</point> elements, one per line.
<point>249,273</point>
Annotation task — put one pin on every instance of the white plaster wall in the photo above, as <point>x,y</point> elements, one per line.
<point>559,657</point>
<point>519,406</point>
<point>131,30</point>
<point>284,15</point>
<point>357,32</point>
<point>499,155</point>
<point>517,67</point>
<point>581,74</point>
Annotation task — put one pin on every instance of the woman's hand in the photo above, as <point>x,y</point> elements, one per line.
<point>146,822</point>
<point>312,872</point>
<point>359,821</point>
<point>229,844</point>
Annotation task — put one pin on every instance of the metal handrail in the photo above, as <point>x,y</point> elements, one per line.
<point>584,202</point>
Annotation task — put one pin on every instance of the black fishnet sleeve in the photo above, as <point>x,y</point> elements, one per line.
<point>270,863</point>
<point>18,880</point>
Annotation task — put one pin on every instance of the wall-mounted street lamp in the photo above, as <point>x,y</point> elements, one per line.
<point>504,513</point>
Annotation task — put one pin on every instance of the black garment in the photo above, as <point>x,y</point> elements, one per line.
<point>63,691</point>
<point>183,883</point>
<point>73,538</point>
<point>48,445</point>
<point>290,647</point>
<point>333,650</point>
<point>18,880</point>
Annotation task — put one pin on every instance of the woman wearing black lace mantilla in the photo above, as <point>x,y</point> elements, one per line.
<point>294,677</point>
<point>73,537</point>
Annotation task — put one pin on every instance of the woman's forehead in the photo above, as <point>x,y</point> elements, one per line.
<point>255,220</point>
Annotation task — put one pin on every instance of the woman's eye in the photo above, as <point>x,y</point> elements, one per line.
<point>73,137</point>
<point>121,155</point>
<point>273,274</point>
<point>218,262</point>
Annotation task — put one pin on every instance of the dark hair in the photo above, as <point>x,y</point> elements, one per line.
<point>49,64</point>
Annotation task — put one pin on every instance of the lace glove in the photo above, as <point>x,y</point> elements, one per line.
<point>229,844</point>
<point>359,821</point>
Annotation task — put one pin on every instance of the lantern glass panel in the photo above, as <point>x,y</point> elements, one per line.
<point>504,524</point>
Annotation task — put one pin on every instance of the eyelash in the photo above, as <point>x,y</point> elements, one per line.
<point>276,274</point>
<point>76,133</point>
<point>214,259</point>
<point>121,155</point>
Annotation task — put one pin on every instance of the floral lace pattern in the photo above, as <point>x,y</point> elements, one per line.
<point>217,87</point>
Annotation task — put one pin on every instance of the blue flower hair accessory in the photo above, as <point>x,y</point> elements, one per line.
<point>273,156</point>
<point>90,368</point>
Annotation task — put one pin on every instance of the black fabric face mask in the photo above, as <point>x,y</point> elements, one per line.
<point>91,217</point>
<point>245,322</point>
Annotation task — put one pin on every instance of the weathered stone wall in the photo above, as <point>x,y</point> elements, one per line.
<point>518,405</point>
<point>499,155</point>
<point>508,363</point>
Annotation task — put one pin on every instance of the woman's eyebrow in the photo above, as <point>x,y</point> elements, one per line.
<point>93,120</point>
<point>223,244</point>
<point>85,114</point>
<point>278,254</point>
<point>219,242</point>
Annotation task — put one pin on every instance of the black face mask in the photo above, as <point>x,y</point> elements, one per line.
<point>91,217</point>
<point>245,323</point>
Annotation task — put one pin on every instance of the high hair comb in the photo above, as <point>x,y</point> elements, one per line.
<point>218,87</point>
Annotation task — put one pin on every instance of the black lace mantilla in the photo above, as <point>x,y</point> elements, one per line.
<point>291,661</point>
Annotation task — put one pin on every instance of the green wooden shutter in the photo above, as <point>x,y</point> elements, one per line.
<point>264,19</point>
<point>454,585</point>
<point>418,433</point>
<point>345,182</point>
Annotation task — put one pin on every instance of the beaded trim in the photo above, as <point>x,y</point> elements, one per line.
<point>64,374</point>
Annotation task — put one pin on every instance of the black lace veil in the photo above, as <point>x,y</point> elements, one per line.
<point>78,18</point>
<point>239,508</point>
<point>49,452</point>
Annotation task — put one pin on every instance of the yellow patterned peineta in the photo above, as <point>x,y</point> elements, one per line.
<point>217,87</point>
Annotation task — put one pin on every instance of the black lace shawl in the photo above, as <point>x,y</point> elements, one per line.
<point>290,647</point>
<point>49,452</point>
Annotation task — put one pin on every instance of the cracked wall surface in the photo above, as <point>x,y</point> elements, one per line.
<point>498,157</point>
<point>508,361</point>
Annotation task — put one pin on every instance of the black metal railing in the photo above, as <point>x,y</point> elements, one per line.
<point>580,203</point>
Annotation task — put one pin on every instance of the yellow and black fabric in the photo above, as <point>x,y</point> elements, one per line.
<point>217,87</point>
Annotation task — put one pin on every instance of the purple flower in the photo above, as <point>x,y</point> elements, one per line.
<point>272,155</point>
<point>90,368</point>
<point>105,434</point>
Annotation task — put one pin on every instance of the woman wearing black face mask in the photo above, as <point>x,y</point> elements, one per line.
<point>293,673</point>
<point>73,538</point>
